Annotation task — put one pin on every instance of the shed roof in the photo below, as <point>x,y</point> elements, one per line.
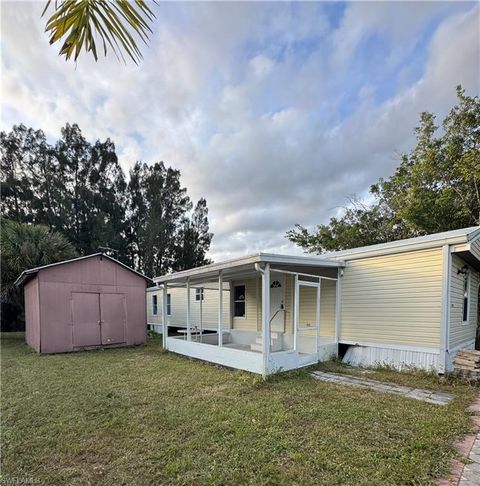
<point>27,274</point>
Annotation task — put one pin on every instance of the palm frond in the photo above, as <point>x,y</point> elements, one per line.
<point>114,22</point>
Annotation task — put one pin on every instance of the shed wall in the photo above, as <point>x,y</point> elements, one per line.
<point>393,299</point>
<point>32,314</point>
<point>98,275</point>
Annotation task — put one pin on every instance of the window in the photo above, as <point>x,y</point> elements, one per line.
<point>239,301</point>
<point>275,285</point>
<point>466,293</point>
<point>154,305</point>
<point>169,304</point>
<point>199,294</point>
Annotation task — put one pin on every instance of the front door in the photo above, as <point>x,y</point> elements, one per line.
<point>113,318</point>
<point>86,319</point>
<point>277,302</point>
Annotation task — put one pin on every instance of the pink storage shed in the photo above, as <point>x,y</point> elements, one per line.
<point>88,302</point>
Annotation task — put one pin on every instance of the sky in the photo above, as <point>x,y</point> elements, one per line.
<point>276,113</point>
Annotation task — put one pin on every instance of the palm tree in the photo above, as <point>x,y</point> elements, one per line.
<point>81,22</point>
<point>25,246</point>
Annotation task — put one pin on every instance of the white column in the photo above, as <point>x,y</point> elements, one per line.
<point>189,334</point>
<point>164,316</point>
<point>296,311</point>
<point>220,308</point>
<point>266,317</point>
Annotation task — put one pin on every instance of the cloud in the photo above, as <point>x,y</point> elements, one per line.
<point>276,113</point>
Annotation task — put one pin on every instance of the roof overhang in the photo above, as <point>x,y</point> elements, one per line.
<point>244,265</point>
<point>437,240</point>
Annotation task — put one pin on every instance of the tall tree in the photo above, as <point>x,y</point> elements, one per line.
<point>73,186</point>
<point>158,206</point>
<point>194,239</point>
<point>435,188</point>
<point>79,189</point>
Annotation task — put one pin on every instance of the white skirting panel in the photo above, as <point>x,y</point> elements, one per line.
<point>398,358</point>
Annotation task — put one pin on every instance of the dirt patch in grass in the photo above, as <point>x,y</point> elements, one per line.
<point>142,416</point>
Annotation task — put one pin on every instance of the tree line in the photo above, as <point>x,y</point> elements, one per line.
<point>435,188</point>
<point>79,189</point>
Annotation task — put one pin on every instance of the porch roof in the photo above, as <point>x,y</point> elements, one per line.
<point>247,264</point>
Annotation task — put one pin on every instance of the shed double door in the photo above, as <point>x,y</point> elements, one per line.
<point>98,319</point>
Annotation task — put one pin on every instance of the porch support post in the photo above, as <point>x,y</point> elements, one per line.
<point>338,305</point>
<point>266,317</point>
<point>220,308</point>
<point>296,312</point>
<point>189,335</point>
<point>164,316</point>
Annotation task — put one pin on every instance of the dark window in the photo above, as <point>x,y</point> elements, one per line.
<point>239,301</point>
<point>466,291</point>
<point>154,305</point>
<point>275,284</point>
<point>169,304</point>
<point>199,294</point>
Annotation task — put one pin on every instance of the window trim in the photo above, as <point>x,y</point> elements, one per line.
<point>239,284</point>
<point>201,293</point>
<point>466,298</point>
<point>169,304</point>
<point>154,305</point>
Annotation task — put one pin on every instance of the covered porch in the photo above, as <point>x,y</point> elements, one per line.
<point>275,312</point>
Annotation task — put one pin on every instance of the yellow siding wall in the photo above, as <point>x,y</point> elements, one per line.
<point>327,308</point>
<point>459,331</point>
<point>393,299</point>
<point>252,310</point>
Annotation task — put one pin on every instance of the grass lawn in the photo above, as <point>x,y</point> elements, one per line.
<point>142,416</point>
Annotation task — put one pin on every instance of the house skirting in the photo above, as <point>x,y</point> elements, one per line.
<point>400,357</point>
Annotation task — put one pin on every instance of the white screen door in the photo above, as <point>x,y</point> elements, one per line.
<point>277,302</point>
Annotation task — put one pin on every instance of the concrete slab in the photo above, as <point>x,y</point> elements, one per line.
<point>429,396</point>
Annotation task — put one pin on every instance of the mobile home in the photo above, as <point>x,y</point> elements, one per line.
<point>412,302</point>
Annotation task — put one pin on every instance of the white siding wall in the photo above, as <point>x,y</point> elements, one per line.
<point>461,332</point>
<point>393,299</point>
<point>209,308</point>
<point>475,248</point>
